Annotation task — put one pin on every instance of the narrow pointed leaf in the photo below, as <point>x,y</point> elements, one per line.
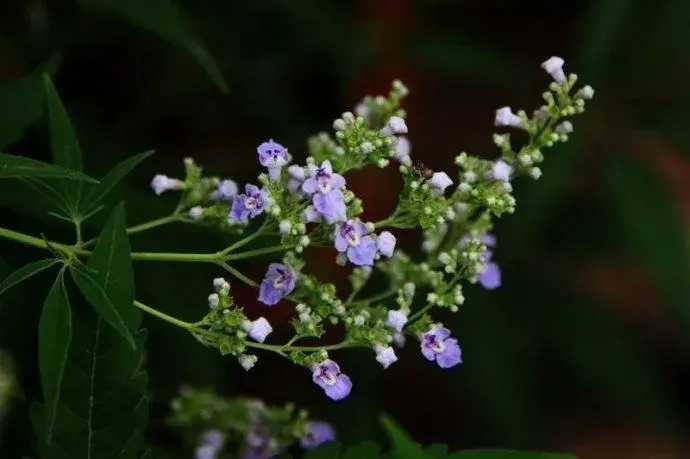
<point>65,146</point>
<point>95,294</point>
<point>21,104</point>
<point>163,18</point>
<point>25,272</point>
<point>12,166</point>
<point>54,337</point>
<point>112,178</point>
<point>405,448</point>
<point>112,264</point>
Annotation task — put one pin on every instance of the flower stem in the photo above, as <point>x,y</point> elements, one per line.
<point>179,257</point>
<point>238,274</point>
<point>40,243</point>
<point>419,313</point>
<point>267,347</point>
<point>142,227</point>
<point>246,240</point>
<point>377,297</point>
<point>255,253</point>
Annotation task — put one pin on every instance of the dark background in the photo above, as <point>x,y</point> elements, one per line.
<point>583,349</point>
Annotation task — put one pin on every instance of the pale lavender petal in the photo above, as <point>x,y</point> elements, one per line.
<point>451,355</point>
<point>251,190</point>
<point>317,433</point>
<point>337,181</point>
<point>428,352</point>
<point>309,186</point>
<point>341,244</point>
<point>385,242</point>
<point>441,333</point>
<point>239,212</point>
<point>268,294</point>
<point>491,277</point>
<point>363,254</point>
<point>341,388</point>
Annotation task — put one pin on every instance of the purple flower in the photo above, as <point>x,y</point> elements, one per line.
<point>331,206</point>
<point>437,345</point>
<point>554,67</point>
<point>225,191</point>
<point>506,117</point>
<point>273,156</point>
<point>258,329</point>
<point>211,443</point>
<point>501,171</point>
<point>490,279</point>
<point>350,238</point>
<point>385,242</point>
<point>327,376</point>
<point>440,181</point>
<point>385,355</point>
<point>402,148</point>
<point>296,177</point>
<point>395,125</point>
<point>250,204</point>
<point>311,215</point>
<point>163,183</point>
<point>260,444</point>
<point>316,433</point>
<point>322,179</point>
<point>279,281</point>
<point>396,320</point>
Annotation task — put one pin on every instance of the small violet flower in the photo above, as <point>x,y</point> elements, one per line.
<point>211,443</point>
<point>163,183</point>
<point>490,279</point>
<point>273,156</point>
<point>296,177</point>
<point>385,243</point>
<point>397,320</point>
<point>250,204</point>
<point>258,329</point>
<point>327,376</point>
<point>395,125</point>
<point>402,149</point>
<point>350,238</point>
<point>437,345</point>
<point>554,67</point>
<point>440,181</point>
<point>385,355</point>
<point>311,215</point>
<point>279,281</point>
<point>316,433</point>
<point>322,179</point>
<point>501,171</point>
<point>506,117</point>
<point>225,191</point>
<point>331,206</point>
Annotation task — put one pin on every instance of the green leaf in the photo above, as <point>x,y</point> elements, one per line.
<point>328,450</point>
<point>104,413</point>
<point>54,337</point>
<point>506,454</point>
<point>112,178</point>
<point>404,447</point>
<point>25,272</point>
<point>436,451</point>
<point>21,104</point>
<point>95,294</point>
<point>12,166</point>
<point>64,142</point>
<point>162,18</point>
<point>111,262</point>
<point>366,450</point>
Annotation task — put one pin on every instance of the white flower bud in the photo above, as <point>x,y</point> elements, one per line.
<point>408,289</point>
<point>585,93</point>
<point>554,67</point>
<point>506,117</point>
<point>339,125</point>
<point>247,361</point>
<point>366,147</point>
<point>218,283</point>
<point>213,300</point>
<point>535,173</point>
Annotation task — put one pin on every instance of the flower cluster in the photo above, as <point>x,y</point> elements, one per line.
<point>214,423</point>
<point>307,204</point>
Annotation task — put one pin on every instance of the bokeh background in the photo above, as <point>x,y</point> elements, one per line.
<point>585,348</point>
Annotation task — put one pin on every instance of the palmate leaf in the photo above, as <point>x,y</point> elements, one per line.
<point>12,166</point>
<point>103,408</point>
<point>162,18</point>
